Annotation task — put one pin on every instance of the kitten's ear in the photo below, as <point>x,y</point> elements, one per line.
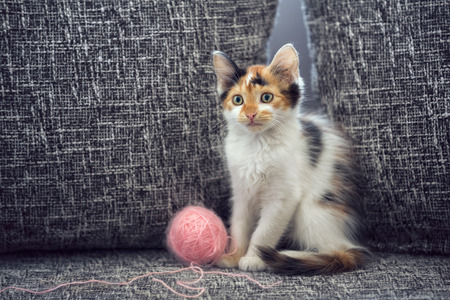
<point>228,73</point>
<point>285,64</point>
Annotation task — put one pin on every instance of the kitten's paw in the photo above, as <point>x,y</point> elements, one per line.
<point>228,261</point>
<point>252,263</point>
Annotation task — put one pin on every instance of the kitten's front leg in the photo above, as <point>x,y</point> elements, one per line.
<point>275,218</point>
<point>242,222</point>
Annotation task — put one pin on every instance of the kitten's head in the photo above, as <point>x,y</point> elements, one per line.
<point>259,97</point>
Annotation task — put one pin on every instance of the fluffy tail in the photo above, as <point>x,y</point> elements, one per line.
<point>309,264</point>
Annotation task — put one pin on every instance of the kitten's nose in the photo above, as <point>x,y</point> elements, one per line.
<point>251,115</point>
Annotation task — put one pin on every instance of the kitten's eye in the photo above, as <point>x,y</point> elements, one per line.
<point>266,98</point>
<point>237,100</point>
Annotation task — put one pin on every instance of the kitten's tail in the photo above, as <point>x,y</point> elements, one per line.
<point>309,263</point>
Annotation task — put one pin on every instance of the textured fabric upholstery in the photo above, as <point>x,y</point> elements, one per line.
<point>383,71</point>
<point>388,276</point>
<point>109,118</point>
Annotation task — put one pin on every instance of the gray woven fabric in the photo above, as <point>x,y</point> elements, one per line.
<point>388,276</point>
<point>109,118</point>
<point>383,71</point>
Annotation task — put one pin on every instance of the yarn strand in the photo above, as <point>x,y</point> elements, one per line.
<point>185,284</point>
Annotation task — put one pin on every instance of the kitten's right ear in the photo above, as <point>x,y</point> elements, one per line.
<point>285,64</point>
<point>228,73</point>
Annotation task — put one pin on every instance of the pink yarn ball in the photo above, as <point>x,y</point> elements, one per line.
<point>197,235</point>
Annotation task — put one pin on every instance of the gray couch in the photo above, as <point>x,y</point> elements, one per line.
<point>109,124</point>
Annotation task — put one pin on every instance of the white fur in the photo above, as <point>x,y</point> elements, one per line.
<point>276,188</point>
<point>249,78</point>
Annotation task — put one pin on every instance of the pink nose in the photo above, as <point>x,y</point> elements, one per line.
<point>251,115</point>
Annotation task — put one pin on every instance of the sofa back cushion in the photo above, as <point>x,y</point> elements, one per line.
<point>109,121</point>
<point>383,71</point>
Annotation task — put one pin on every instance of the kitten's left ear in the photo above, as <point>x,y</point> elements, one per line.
<point>285,64</point>
<point>228,73</point>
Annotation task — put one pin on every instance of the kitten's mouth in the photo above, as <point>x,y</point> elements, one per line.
<point>251,124</point>
<point>254,126</point>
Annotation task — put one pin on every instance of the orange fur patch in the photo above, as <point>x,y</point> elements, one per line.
<point>338,261</point>
<point>253,92</point>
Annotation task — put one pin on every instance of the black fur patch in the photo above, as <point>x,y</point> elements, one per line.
<point>350,194</point>
<point>328,198</point>
<point>348,174</point>
<point>224,95</point>
<point>235,77</point>
<point>293,94</point>
<point>258,80</point>
<point>314,138</point>
<point>238,73</point>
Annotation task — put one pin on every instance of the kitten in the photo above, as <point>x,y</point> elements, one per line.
<point>292,178</point>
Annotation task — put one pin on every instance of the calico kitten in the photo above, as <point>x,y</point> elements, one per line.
<point>292,178</point>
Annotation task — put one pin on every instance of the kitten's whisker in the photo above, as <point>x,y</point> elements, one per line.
<point>279,123</point>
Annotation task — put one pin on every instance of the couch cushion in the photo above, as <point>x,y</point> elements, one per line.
<point>383,72</point>
<point>388,276</point>
<point>109,118</point>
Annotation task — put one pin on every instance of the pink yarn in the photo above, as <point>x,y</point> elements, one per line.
<point>197,235</point>
<point>185,284</point>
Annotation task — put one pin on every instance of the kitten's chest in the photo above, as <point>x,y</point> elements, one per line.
<point>253,162</point>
